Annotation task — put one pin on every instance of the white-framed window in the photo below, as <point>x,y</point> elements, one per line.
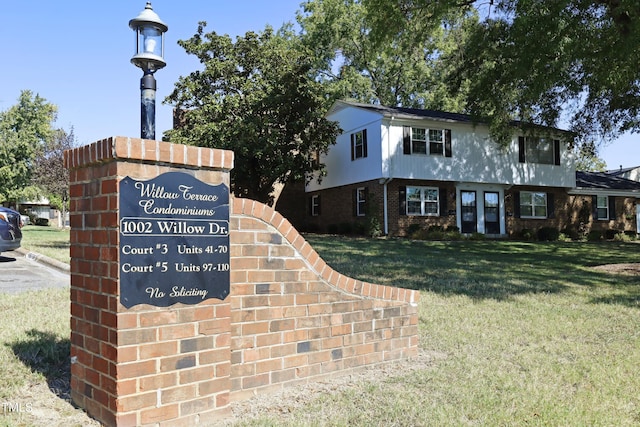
<point>418,141</point>
<point>315,205</point>
<point>427,141</point>
<point>423,201</point>
<point>361,201</point>
<point>436,142</point>
<point>359,144</point>
<point>533,204</point>
<point>602,207</point>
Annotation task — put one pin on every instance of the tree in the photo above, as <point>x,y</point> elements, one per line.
<point>50,174</point>
<point>25,128</point>
<point>547,62</point>
<point>587,158</point>
<point>258,97</point>
<point>396,68</point>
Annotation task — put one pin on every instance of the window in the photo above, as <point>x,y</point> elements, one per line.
<point>361,201</point>
<point>533,204</point>
<point>602,207</point>
<point>315,205</point>
<point>423,201</point>
<point>436,142</point>
<point>418,141</point>
<point>359,144</point>
<point>539,150</point>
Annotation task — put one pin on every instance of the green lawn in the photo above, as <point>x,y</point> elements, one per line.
<point>50,241</point>
<point>521,333</point>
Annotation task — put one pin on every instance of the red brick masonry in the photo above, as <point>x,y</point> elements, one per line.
<point>290,318</point>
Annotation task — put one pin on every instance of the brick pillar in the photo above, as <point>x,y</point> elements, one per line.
<point>142,365</point>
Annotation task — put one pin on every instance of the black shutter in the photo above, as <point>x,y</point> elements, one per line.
<point>366,201</point>
<point>364,143</point>
<point>551,209</point>
<point>406,139</point>
<point>354,202</point>
<point>443,202</point>
<point>594,207</point>
<point>309,205</point>
<point>447,143</point>
<point>353,146</point>
<point>521,158</point>
<point>516,204</point>
<point>402,200</point>
<point>556,151</point>
<point>612,207</point>
<point>319,205</point>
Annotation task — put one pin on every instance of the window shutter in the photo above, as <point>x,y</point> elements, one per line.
<point>556,151</point>
<point>594,207</point>
<point>406,139</point>
<point>402,199</point>
<point>366,200</point>
<point>521,158</point>
<point>353,146</point>
<point>612,207</point>
<point>447,143</point>
<point>364,143</point>
<point>309,206</point>
<point>551,209</point>
<point>443,202</point>
<point>319,205</point>
<point>516,204</point>
<point>354,202</point>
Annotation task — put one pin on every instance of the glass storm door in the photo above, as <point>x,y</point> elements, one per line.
<point>469,212</point>
<point>491,213</point>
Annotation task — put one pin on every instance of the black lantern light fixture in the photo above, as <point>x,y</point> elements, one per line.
<point>149,56</point>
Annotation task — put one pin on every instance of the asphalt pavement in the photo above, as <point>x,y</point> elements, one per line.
<point>22,271</point>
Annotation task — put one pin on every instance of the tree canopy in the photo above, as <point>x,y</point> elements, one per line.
<point>258,97</point>
<point>547,62</point>
<point>25,129</point>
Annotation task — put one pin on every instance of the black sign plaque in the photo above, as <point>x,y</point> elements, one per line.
<point>174,240</point>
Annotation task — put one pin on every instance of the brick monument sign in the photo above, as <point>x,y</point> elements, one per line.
<point>185,299</point>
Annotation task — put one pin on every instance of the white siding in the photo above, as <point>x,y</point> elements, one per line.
<point>475,158</point>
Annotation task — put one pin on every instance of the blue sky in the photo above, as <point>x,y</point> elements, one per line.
<point>76,55</point>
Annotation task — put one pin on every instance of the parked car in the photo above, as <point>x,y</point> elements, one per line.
<point>10,233</point>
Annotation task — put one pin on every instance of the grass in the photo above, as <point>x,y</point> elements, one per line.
<point>50,241</point>
<point>521,333</point>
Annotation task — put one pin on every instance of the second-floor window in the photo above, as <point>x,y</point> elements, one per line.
<point>359,144</point>
<point>435,142</point>
<point>544,151</point>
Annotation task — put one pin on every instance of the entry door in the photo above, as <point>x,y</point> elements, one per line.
<point>491,212</point>
<point>469,212</point>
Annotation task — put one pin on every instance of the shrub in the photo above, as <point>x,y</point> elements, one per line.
<point>548,234</point>
<point>345,228</point>
<point>453,229</point>
<point>42,221</point>
<point>526,234</point>
<point>622,237</point>
<point>611,234</point>
<point>477,236</point>
<point>413,229</point>
<point>436,228</point>
<point>594,236</point>
<point>332,229</point>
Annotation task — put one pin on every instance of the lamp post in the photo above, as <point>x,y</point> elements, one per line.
<point>149,56</point>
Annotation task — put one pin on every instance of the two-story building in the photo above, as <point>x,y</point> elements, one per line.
<point>403,166</point>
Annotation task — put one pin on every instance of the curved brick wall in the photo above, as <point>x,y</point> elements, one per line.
<point>295,319</point>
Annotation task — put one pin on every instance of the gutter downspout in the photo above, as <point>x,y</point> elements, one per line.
<point>385,206</point>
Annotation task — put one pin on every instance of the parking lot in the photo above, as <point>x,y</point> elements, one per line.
<point>19,273</point>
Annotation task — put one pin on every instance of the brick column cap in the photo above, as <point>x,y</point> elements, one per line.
<point>146,150</point>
